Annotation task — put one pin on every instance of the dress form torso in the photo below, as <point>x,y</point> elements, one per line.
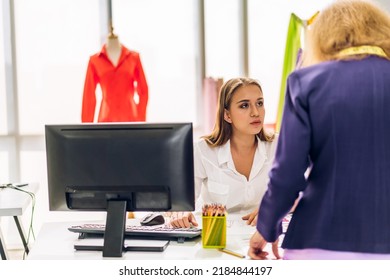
<point>114,49</point>
<point>120,74</point>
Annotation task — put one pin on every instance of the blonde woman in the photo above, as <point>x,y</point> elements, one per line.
<point>336,121</point>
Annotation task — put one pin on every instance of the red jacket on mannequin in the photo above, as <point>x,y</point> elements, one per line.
<point>119,83</point>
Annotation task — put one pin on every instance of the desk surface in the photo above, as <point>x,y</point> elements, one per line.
<point>56,242</point>
<point>14,202</point>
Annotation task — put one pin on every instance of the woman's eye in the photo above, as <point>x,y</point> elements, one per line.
<point>244,105</point>
<point>260,104</point>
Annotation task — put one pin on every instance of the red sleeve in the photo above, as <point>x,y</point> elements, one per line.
<point>89,95</point>
<point>142,90</point>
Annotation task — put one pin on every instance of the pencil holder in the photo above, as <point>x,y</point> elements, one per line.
<point>214,231</point>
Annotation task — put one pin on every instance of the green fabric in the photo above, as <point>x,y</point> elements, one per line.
<point>293,44</point>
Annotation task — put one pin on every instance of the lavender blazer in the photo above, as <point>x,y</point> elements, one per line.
<point>336,122</point>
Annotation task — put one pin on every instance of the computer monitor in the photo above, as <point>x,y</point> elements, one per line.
<point>120,167</point>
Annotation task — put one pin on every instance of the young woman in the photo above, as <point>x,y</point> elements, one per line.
<point>232,163</point>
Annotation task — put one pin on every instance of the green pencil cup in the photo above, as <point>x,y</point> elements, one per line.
<point>214,231</point>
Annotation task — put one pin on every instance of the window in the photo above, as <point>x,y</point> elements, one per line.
<point>164,34</point>
<point>54,40</point>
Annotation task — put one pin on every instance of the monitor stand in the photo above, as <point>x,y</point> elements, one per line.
<point>114,234</point>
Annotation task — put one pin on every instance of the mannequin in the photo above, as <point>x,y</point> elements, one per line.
<point>113,47</point>
<point>119,72</point>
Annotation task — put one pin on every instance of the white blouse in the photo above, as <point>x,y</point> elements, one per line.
<point>218,181</point>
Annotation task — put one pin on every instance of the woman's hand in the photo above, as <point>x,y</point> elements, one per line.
<point>251,218</point>
<point>182,219</point>
<point>256,247</point>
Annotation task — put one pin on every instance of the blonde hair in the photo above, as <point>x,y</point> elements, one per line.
<point>344,24</point>
<point>223,130</point>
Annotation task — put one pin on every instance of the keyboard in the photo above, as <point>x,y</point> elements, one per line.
<point>161,232</point>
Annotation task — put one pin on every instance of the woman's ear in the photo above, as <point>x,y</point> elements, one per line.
<point>226,116</point>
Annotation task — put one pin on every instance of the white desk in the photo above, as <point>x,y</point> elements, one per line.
<point>55,242</point>
<point>14,203</point>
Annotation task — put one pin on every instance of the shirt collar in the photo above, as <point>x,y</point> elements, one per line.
<point>124,52</point>
<point>224,153</point>
<point>225,156</point>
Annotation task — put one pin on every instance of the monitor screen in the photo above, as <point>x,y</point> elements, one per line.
<point>119,167</point>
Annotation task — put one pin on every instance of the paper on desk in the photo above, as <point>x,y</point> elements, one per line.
<point>239,227</point>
